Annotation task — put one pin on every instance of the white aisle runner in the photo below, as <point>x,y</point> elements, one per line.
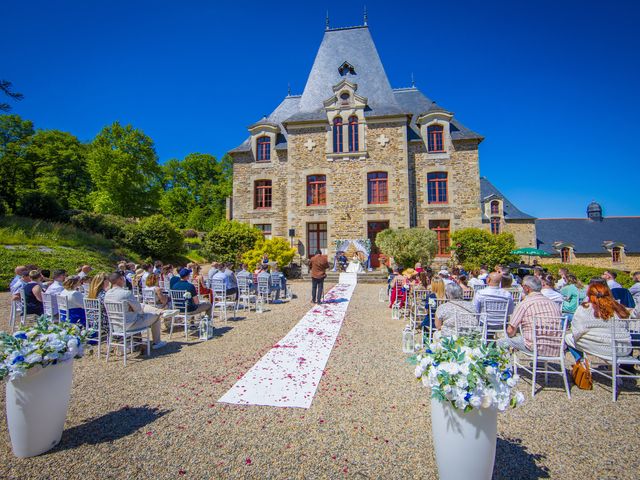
<point>288,375</point>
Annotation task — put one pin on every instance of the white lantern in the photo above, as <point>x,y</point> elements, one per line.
<point>259,304</point>
<point>395,311</point>
<point>206,330</point>
<point>408,341</point>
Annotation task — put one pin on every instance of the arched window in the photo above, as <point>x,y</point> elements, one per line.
<point>377,187</point>
<point>264,149</point>
<point>565,255</point>
<point>353,134</point>
<point>495,225</point>
<point>337,135</point>
<point>316,190</point>
<point>262,194</point>
<point>616,254</point>
<point>435,141</point>
<point>495,207</point>
<point>437,187</point>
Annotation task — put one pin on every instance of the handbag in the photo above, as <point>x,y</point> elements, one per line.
<point>581,374</point>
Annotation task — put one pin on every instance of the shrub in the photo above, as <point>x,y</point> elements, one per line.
<point>278,249</point>
<point>190,233</point>
<point>408,246</point>
<point>227,241</point>
<point>154,237</point>
<point>474,247</point>
<point>111,226</point>
<point>584,273</point>
<point>36,204</point>
<point>3,207</point>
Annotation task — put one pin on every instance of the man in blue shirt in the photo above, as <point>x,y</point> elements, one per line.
<point>194,305</point>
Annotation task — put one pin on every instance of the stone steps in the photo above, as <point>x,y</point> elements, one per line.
<point>366,277</point>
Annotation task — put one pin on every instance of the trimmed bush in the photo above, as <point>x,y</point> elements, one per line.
<point>278,249</point>
<point>408,246</point>
<point>111,226</point>
<point>36,204</point>
<point>154,237</point>
<point>229,240</point>
<point>584,273</point>
<point>475,247</point>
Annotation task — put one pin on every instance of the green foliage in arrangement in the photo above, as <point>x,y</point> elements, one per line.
<point>474,247</point>
<point>124,168</point>
<point>227,241</point>
<point>408,246</point>
<point>154,237</point>
<point>584,273</point>
<point>278,249</point>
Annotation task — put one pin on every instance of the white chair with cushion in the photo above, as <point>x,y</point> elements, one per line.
<point>120,335</point>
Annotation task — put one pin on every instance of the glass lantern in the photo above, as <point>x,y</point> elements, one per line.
<point>408,341</point>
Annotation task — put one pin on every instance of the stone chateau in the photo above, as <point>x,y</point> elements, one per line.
<point>352,156</point>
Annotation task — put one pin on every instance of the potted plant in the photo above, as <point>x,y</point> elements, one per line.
<point>470,382</point>
<point>38,362</point>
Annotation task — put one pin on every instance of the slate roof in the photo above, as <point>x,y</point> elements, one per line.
<point>588,235</point>
<point>511,212</point>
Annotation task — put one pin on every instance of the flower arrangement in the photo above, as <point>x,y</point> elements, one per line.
<point>469,374</point>
<point>45,343</point>
<point>187,295</point>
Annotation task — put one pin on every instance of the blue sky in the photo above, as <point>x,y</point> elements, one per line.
<point>552,85</point>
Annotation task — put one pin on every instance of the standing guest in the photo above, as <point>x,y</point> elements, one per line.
<point>137,315</point>
<point>84,270</point>
<point>562,281</point>
<point>534,308</point>
<point>33,294</point>
<point>194,305</point>
<point>590,328</point>
<point>319,265</point>
<point>74,301</point>
<point>610,277</point>
<point>19,271</point>
<point>548,291</point>
<point>492,292</point>
<point>571,295</point>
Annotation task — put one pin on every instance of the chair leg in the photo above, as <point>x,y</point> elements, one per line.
<point>124,340</point>
<point>148,342</point>
<point>565,379</point>
<point>108,345</point>
<point>533,377</point>
<point>614,376</point>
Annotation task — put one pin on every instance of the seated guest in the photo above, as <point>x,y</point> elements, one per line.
<point>562,281</point>
<point>590,328</point>
<point>342,261</point>
<point>610,277</point>
<point>425,280</point>
<point>493,292</point>
<point>230,280</point>
<point>212,271</point>
<point>398,287</point>
<point>263,275</point>
<point>464,286</point>
<point>153,285</point>
<point>194,305</point>
<point>483,274</point>
<point>635,288</point>
<point>175,278</point>
<point>623,296</point>
<point>278,278</point>
<point>136,280</point>
<point>539,272</point>
<point>436,292</point>
<point>167,273</point>
<point>198,279</point>
<point>445,315</point>
<point>74,301</point>
<point>97,291</point>
<point>418,267</point>
<point>56,288</point>
<point>33,294</point>
<point>20,272</point>
<point>245,275</point>
<point>265,259</point>
<point>445,276</point>
<point>571,295</point>
<point>46,280</point>
<point>534,308</point>
<point>547,289</point>
<point>83,271</point>
<point>17,286</point>
<point>474,279</point>
<point>157,267</point>
<point>137,315</point>
<point>148,269</point>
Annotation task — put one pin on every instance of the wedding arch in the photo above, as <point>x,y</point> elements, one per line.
<point>361,244</point>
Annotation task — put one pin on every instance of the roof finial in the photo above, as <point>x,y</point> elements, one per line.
<point>288,89</point>
<point>413,82</point>
<point>366,17</point>
<point>326,27</point>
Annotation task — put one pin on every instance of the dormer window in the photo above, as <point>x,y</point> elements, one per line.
<point>565,255</point>
<point>337,135</point>
<point>353,134</point>
<point>616,254</point>
<point>495,207</point>
<point>264,149</point>
<point>435,141</point>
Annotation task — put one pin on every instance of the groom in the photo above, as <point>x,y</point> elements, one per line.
<point>319,265</point>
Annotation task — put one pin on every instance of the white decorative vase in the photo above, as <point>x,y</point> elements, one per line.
<point>37,408</point>
<point>465,443</point>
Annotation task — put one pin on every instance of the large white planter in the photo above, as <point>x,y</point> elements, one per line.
<point>465,443</point>
<point>37,408</point>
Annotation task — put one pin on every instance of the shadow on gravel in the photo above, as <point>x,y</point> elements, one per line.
<point>220,331</point>
<point>513,460</point>
<point>109,427</point>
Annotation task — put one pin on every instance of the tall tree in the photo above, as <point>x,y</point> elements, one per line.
<point>59,162</point>
<point>7,88</point>
<point>15,173</point>
<point>123,165</point>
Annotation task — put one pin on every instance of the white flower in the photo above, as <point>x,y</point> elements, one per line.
<point>475,401</point>
<point>490,370</point>
<point>464,369</point>
<point>519,398</point>
<point>427,383</point>
<point>72,347</point>
<point>425,362</point>
<point>462,382</point>
<point>33,358</point>
<point>419,371</point>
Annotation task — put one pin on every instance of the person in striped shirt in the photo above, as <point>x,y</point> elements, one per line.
<point>534,307</point>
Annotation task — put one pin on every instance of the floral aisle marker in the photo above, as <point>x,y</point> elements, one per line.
<point>288,375</point>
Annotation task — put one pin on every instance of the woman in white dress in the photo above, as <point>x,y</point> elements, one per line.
<point>354,265</point>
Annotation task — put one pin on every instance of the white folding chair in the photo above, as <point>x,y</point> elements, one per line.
<point>49,304</point>
<point>275,286</point>
<point>467,294</point>
<point>116,316</point>
<point>494,315</point>
<point>618,352</point>
<point>245,296</point>
<point>548,347</point>
<point>136,290</point>
<point>63,308</point>
<point>467,324</point>
<point>149,297</point>
<point>477,288</point>
<point>220,301</point>
<point>181,304</point>
<point>93,313</point>
<point>263,292</point>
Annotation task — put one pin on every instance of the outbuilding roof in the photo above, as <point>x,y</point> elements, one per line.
<point>511,212</point>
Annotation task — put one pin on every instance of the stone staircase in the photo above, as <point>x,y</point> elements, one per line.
<point>366,277</point>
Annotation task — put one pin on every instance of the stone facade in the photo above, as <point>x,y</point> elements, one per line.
<point>628,263</point>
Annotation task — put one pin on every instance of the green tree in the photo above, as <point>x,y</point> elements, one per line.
<point>408,246</point>
<point>15,173</point>
<point>7,88</point>
<point>278,249</point>
<point>228,241</point>
<point>475,247</point>
<point>154,237</point>
<point>123,165</point>
<point>58,160</point>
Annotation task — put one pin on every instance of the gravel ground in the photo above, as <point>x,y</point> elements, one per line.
<point>158,417</point>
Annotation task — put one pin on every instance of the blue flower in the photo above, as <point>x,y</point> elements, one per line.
<point>17,359</point>
<point>467,397</point>
<point>20,335</point>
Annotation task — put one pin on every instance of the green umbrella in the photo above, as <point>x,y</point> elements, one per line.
<point>530,252</point>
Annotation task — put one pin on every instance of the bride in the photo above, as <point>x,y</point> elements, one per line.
<point>354,265</point>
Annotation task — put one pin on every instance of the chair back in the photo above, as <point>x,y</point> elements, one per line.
<point>149,296</point>
<point>63,307</point>
<point>263,285</point>
<point>196,284</point>
<point>93,312</point>
<point>548,336</point>
<point>243,283</point>
<point>178,301</point>
<point>516,294</point>
<point>48,302</point>
<point>274,280</point>
<point>116,315</point>
<point>467,323</point>
<point>468,294</point>
<point>135,289</point>
<point>219,287</point>
<point>477,288</point>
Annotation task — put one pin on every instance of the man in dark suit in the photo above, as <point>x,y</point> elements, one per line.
<point>319,265</point>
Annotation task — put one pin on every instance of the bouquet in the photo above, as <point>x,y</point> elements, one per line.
<point>45,343</point>
<point>469,374</point>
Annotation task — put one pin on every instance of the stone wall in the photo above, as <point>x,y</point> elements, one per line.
<point>524,231</point>
<point>629,263</point>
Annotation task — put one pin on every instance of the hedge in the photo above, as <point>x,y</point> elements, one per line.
<point>584,273</point>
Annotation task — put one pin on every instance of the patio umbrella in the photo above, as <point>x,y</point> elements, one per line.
<point>530,252</point>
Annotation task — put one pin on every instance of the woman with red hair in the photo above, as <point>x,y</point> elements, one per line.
<point>590,327</point>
